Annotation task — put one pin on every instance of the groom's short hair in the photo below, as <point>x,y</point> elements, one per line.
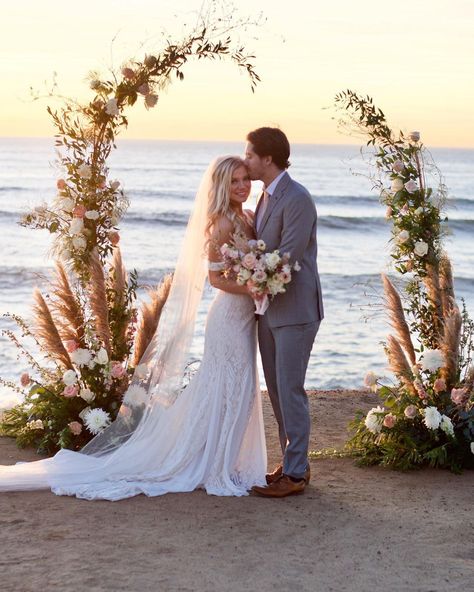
<point>271,141</point>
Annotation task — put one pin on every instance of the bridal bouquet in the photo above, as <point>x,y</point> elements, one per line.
<point>266,274</point>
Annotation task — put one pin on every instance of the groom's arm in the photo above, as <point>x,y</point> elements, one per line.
<point>299,217</point>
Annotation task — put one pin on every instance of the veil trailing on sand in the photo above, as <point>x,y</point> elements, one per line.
<point>115,453</point>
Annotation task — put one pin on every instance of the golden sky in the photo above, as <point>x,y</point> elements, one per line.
<point>413,56</point>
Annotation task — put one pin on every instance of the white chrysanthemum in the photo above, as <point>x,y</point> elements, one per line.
<point>137,393</point>
<point>432,360</point>
<point>374,420</point>
<point>432,418</point>
<point>96,420</point>
<point>69,377</point>
<point>447,425</point>
<point>81,356</point>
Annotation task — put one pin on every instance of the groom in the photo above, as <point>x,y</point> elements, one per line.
<point>285,219</point>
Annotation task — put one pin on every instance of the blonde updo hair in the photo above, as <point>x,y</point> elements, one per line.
<point>219,193</point>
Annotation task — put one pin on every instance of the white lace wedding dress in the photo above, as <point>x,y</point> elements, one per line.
<point>211,437</point>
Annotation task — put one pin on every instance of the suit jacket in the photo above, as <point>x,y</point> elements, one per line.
<point>289,225</point>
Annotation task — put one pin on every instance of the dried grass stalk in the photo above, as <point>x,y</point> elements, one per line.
<point>150,313</point>
<point>398,363</point>
<point>433,291</point>
<point>119,275</point>
<point>446,282</point>
<point>397,318</point>
<point>68,312</point>
<point>98,301</point>
<point>450,345</point>
<point>47,333</point>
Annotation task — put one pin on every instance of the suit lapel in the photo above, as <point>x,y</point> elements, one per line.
<point>277,194</point>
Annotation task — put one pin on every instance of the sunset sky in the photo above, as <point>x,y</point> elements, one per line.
<point>413,57</point>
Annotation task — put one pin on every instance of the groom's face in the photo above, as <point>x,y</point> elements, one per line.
<point>254,162</point>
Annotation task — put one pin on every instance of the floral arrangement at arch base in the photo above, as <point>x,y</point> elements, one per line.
<point>88,327</point>
<point>427,417</point>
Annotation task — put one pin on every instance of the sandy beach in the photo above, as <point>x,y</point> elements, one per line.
<point>354,529</point>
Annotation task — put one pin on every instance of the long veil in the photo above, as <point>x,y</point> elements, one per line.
<point>155,385</point>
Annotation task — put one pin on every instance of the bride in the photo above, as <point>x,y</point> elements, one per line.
<point>167,438</point>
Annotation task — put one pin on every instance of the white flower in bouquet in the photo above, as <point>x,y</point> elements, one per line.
<point>141,371</point>
<point>432,418</point>
<point>84,171</point>
<point>259,276</point>
<point>397,184</point>
<point>447,425</point>
<point>243,276</point>
<point>421,248</point>
<point>102,356</point>
<point>81,356</point>
<point>69,377</point>
<point>296,266</point>
<point>111,107</point>
<point>79,242</point>
<point>36,424</point>
<point>370,380</point>
<point>92,214</point>
<point>418,211</point>
<point>87,395</point>
<point>84,412</point>
<point>96,420</point>
<point>76,226</point>
<point>403,236</point>
<point>411,186</point>
<point>274,286</point>
<point>67,204</point>
<point>432,360</point>
<point>435,199</point>
<point>284,277</point>
<point>261,245</point>
<point>374,419</point>
<point>272,259</point>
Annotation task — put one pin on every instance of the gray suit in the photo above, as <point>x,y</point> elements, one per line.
<point>287,330</point>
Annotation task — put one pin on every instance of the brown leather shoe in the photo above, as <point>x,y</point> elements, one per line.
<point>278,472</point>
<point>282,487</point>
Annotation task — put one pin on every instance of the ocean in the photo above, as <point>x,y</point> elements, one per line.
<point>160,179</point>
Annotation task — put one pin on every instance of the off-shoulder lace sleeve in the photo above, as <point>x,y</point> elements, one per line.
<point>215,265</point>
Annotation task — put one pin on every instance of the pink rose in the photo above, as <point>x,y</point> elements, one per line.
<point>439,385</point>
<point>75,427</point>
<point>389,212</point>
<point>79,211</point>
<point>144,88</point>
<point>61,184</point>
<point>25,379</point>
<point>410,411</point>
<point>71,391</point>
<point>420,389</point>
<point>459,396</point>
<point>117,370</point>
<point>114,237</point>
<point>249,261</point>
<point>389,420</point>
<point>128,73</point>
<point>71,345</point>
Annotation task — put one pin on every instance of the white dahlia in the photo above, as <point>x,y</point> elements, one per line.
<point>81,356</point>
<point>432,360</point>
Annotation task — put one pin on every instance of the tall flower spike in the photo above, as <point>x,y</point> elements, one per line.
<point>98,301</point>
<point>397,318</point>
<point>450,346</point>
